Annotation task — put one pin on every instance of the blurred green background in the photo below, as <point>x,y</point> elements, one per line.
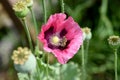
<point>102,16</point>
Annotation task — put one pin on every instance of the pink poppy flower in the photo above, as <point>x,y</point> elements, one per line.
<point>61,36</point>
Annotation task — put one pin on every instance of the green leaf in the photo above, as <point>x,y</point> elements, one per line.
<point>69,71</point>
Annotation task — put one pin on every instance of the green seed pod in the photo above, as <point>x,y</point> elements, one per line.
<point>28,67</point>
<point>21,9</point>
<point>24,60</point>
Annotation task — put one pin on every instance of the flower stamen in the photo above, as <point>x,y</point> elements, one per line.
<point>63,42</point>
<point>55,40</point>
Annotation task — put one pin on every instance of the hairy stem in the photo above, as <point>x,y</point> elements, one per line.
<point>28,34</point>
<point>83,63</point>
<point>86,56</point>
<point>47,66</point>
<point>62,6</point>
<point>45,12</point>
<point>116,76</point>
<point>36,29</point>
<point>30,76</point>
<point>45,20</point>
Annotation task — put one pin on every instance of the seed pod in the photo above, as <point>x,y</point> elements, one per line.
<point>87,35</point>
<point>20,9</point>
<point>24,60</point>
<point>28,67</point>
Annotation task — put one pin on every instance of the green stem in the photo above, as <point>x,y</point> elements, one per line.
<point>36,29</point>
<point>60,74</point>
<point>45,12</point>
<point>62,6</point>
<point>47,66</point>
<point>30,76</point>
<point>104,7</point>
<point>86,56</point>
<point>86,53</point>
<point>38,68</point>
<point>116,76</point>
<point>34,20</point>
<point>28,34</point>
<point>83,63</point>
<point>45,20</point>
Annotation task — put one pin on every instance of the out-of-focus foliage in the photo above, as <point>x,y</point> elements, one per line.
<point>70,71</point>
<point>103,17</point>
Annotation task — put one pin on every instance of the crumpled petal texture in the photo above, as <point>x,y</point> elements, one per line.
<point>58,24</point>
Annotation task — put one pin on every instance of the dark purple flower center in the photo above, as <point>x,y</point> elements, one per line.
<point>56,40</point>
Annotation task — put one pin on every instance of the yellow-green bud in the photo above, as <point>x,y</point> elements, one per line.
<point>20,9</point>
<point>29,3</point>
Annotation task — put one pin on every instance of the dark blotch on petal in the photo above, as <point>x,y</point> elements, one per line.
<point>59,47</point>
<point>63,32</point>
<point>48,33</point>
<point>52,46</point>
